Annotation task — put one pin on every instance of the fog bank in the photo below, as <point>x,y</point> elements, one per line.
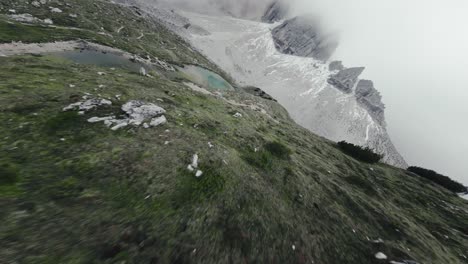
<point>416,52</point>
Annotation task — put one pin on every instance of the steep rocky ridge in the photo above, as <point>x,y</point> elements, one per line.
<point>303,37</point>
<point>276,11</point>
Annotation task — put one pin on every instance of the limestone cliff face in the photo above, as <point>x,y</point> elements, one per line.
<point>371,99</point>
<point>303,37</point>
<point>346,79</point>
<point>275,12</point>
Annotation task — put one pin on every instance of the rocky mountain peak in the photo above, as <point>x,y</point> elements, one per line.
<point>346,79</point>
<point>275,12</point>
<point>370,98</point>
<point>302,36</point>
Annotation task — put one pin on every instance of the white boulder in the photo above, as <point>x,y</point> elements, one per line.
<point>380,255</point>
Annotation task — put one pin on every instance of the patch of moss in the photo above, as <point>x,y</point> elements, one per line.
<point>361,183</point>
<point>62,121</point>
<point>278,150</point>
<point>64,189</point>
<point>192,189</point>
<point>265,157</point>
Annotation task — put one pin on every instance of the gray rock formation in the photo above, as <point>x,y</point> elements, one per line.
<point>258,92</point>
<point>275,12</point>
<point>346,79</point>
<point>336,66</point>
<point>303,37</point>
<point>371,99</point>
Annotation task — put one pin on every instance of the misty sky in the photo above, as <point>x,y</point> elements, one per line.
<point>416,52</point>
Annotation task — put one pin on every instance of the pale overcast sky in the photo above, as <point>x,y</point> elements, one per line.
<point>416,52</point>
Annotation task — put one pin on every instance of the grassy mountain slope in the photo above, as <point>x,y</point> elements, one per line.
<point>271,192</point>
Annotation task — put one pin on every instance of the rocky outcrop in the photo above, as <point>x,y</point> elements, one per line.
<point>275,12</point>
<point>303,37</point>
<point>371,99</point>
<point>259,92</point>
<point>346,79</point>
<point>336,66</point>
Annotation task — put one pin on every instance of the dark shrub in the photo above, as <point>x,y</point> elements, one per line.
<point>278,150</point>
<point>266,156</point>
<point>439,179</point>
<point>360,153</point>
<point>8,174</point>
<point>61,121</point>
<point>64,189</point>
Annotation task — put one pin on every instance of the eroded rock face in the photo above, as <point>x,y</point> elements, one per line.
<point>301,36</point>
<point>259,92</point>
<point>275,12</point>
<point>336,66</point>
<point>371,99</point>
<point>346,79</point>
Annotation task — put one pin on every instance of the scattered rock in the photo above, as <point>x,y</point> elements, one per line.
<point>99,119</point>
<point>137,112</point>
<point>25,18</point>
<point>404,262</point>
<point>199,173</point>
<point>55,10</point>
<point>101,73</point>
<point>190,168</point>
<point>48,21</point>
<point>293,247</point>
<point>73,15</point>
<point>210,145</point>
<point>87,105</point>
<point>195,161</point>
<point>380,255</point>
<point>36,4</point>
<point>120,124</point>
<point>237,115</point>
<point>12,11</point>
<point>158,121</point>
<point>143,71</point>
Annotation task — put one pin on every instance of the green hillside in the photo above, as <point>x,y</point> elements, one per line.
<point>72,191</point>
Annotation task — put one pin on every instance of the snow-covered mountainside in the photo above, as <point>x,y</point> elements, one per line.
<point>324,97</point>
<point>245,49</point>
